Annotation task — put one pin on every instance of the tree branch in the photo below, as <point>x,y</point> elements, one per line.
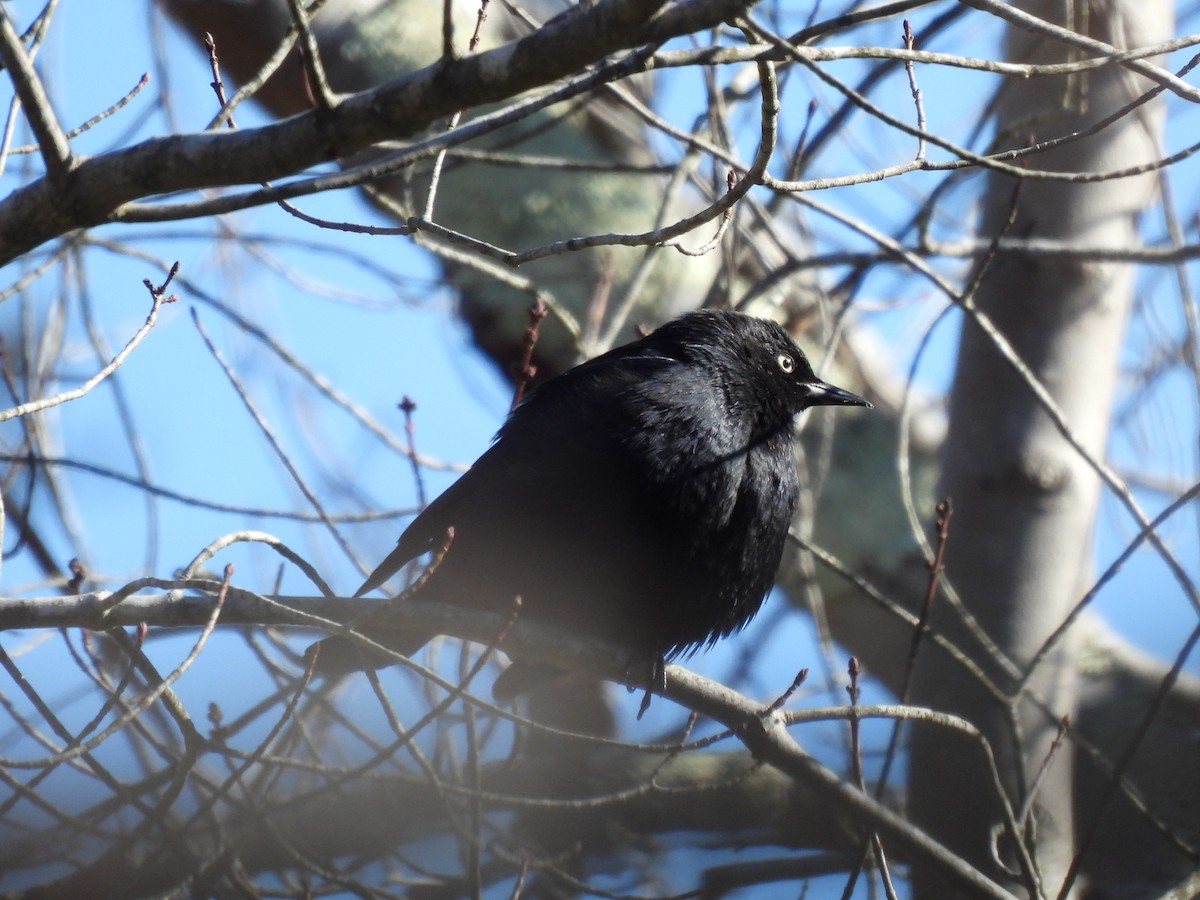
<point>98,187</point>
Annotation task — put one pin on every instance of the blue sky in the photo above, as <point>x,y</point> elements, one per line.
<point>396,335</point>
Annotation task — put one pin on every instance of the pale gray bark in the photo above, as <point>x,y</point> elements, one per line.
<point>1025,496</point>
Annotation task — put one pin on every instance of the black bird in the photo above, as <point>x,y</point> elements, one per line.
<point>643,497</point>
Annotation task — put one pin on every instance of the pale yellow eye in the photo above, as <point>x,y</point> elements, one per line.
<point>786,363</point>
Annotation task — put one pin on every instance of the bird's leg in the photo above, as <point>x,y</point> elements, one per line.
<point>657,680</point>
<point>645,705</point>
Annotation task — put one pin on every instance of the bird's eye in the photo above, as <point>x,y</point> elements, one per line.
<point>786,363</point>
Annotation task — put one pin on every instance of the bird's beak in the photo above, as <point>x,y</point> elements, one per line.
<point>822,394</point>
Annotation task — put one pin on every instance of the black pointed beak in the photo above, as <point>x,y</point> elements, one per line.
<point>821,394</point>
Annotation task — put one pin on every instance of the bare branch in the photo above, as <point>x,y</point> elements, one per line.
<point>56,152</point>
<point>34,406</point>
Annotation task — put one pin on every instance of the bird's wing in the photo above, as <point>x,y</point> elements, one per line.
<point>567,412</point>
<point>427,532</point>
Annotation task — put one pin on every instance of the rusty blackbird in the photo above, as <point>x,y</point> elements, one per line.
<point>643,497</point>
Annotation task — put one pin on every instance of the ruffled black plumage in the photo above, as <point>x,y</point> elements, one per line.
<point>643,497</point>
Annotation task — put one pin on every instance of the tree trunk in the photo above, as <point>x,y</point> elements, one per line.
<point>1025,500</point>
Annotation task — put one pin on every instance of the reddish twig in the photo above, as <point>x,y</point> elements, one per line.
<point>524,371</point>
<point>1064,725</point>
<point>157,291</point>
<point>598,304</point>
<point>78,576</point>
<point>936,566</point>
<point>408,406</point>
<point>783,698</point>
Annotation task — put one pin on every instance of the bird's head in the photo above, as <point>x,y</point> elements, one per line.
<point>759,365</point>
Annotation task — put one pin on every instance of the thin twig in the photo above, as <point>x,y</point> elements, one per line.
<point>408,406</point>
<point>74,394</point>
<point>96,119</point>
<point>722,227</point>
<point>449,54</point>
<point>318,83</point>
<point>936,567</point>
<point>56,151</point>
<point>525,370</point>
<point>217,84</point>
<point>909,44</point>
<point>269,433</point>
